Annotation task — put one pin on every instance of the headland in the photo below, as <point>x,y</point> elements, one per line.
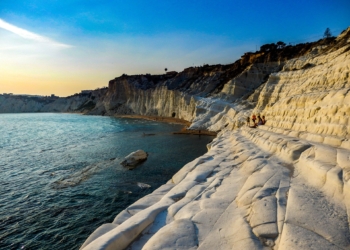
<point>283,185</point>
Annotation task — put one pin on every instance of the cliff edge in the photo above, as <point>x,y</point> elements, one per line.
<point>283,185</point>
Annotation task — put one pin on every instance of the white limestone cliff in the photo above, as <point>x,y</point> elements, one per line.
<point>284,185</point>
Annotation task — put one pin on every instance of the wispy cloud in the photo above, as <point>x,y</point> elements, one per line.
<point>30,35</point>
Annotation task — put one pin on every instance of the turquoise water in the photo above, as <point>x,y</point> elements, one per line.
<point>39,152</point>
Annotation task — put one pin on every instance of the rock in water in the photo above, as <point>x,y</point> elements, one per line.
<point>143,185</point>
<point>134,158</point>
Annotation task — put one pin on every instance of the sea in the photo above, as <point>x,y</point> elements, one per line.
<point>61,178</point>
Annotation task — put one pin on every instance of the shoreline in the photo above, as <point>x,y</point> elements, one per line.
<point>199,132</point>
<point>127,190</point>
<point>240,177</point>
<point>183,131</point>
<point>156,118</point>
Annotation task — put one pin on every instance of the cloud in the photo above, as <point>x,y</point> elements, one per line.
<point>30,35</point>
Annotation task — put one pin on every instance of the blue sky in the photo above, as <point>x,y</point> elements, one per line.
<point>82,44</point>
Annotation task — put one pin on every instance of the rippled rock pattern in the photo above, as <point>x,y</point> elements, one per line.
<point>284,185</point>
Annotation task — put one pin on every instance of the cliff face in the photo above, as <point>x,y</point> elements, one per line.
<point>212,96</point>
<point>17,104</point>
<point>81,103</point>
<point>320,102</point>
<point>199,93</point>
<point>126,97</point>
<point>283,185</point>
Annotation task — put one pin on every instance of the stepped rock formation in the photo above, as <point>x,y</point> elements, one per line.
<point>284,185</point>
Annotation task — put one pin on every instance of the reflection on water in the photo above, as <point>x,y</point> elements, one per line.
<point>61,178</point>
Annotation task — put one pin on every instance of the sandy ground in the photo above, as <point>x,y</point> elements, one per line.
<point>184,130</point>
<point>195,132</point>
<point>157,118</point>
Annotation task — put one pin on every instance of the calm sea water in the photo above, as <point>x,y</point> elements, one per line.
<point>60,174</point>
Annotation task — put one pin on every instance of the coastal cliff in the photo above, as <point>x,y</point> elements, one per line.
<point>80,102</point>
<point>283,185</point>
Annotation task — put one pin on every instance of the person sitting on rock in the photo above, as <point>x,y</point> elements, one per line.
<point>260,122</point>
<point>253,119</point>
<point>263,120</point>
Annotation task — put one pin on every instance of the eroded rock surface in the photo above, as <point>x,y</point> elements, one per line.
<point>284,185</point>
<point>134,158</point>
<point>252,190</point>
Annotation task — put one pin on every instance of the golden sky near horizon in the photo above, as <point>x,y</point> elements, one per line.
<point>52,48</point>
<point>37,64</point>
<point>61,85</point>
<point>34,64</point>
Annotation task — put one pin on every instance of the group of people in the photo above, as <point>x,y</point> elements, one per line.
<point>256,121</point>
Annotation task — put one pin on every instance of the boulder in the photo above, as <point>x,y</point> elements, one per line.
<point>135,158</point>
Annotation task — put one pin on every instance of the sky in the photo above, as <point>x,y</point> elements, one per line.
<point>64,46</point>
